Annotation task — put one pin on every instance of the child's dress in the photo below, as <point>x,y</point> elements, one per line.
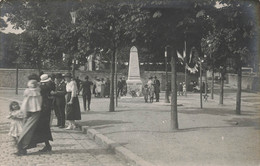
<point>16,117</point>
<point>32,100</point>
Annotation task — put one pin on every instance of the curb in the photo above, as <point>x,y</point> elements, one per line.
<point>118,149</point>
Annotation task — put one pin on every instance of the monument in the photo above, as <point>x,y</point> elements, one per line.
<point>134,82</point>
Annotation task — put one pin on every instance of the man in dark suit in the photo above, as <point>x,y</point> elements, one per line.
<point>59,100</point>
<point>86,93</point>
<point>156,88</point>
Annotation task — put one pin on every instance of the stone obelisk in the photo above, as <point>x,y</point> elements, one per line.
<point>134,81</point>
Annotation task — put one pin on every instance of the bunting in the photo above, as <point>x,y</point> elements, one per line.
<point>183,60</point>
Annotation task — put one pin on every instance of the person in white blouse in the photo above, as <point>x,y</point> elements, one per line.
<point>72,102</point>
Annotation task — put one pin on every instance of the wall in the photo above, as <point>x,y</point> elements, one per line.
<point>8,76</point>
<point>249,82</point>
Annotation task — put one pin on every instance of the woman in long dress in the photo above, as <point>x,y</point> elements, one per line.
<point>31,107</point>
<point>72,102</point>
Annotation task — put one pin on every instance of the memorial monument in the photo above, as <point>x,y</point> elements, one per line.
<point>134,82</point>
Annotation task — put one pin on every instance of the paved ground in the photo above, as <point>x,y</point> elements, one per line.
<point>213,135</point>
<point>70,148</point>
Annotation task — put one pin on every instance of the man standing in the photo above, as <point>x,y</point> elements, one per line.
<point>120,87</point>
<point>59,100</point>
<point>156,88</point>
<point>86,94</point>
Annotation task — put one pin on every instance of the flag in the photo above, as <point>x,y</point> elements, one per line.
<point>190,56</point>
<point>180,57</point>
<point>184,50</point>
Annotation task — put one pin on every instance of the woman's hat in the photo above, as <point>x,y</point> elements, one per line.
<point>45,78</point>
<point>68,75</point>
<point>33,77</point>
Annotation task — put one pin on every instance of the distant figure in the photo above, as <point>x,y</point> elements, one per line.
<point>119,87</point>
<point>78,81</point>
<point>107,88</point>
<point>102,94</point>
<point>150,85</point>
<point>94,87</point>
<point>145,92</point>
<point>52,84</point>
<point>86,94</point>
<point>16,116</point>
<point>124,89</point>
<point>98,87</point>
<point>180,89</point>
<point>184,88</point>
<point>157,89</point>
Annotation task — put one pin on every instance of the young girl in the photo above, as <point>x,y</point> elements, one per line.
<point>16,116</point>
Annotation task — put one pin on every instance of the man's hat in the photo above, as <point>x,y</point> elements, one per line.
<point>45,78</point>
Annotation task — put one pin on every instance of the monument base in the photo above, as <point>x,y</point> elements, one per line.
<point>134,87</point>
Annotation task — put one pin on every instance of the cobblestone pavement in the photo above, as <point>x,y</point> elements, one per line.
<point>70,148</point>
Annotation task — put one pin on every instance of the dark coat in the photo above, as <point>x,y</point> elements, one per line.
<point>59,97</point>
<point>156,86</point>
<point>85,86</point>
<point>42,131</point>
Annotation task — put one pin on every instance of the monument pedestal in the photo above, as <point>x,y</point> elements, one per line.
<point>134,83</point>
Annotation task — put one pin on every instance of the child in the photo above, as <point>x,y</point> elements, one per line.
<point>16,116</point>
<point>146,92</point>
<point>32,97</point>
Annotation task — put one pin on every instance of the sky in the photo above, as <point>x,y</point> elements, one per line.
<point>9,28</point>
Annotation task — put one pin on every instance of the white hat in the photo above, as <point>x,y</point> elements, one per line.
<point>45,78</point>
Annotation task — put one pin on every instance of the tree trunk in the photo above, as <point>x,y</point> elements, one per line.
<point>239,84</point>
<point>166,77</point>
<point>221,88</point>
<point>116,80</point>
<point>206,83</point>
<point>212,84</point>
<point>200,84</point>
<point>112,98</point>
<point>17,73</point>
<point>174,114</point>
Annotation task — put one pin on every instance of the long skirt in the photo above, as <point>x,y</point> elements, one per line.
<point>73,110</point>
<point>26,138</point>
<point>43,132</point>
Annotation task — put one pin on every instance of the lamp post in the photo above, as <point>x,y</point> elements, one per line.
<point>201,82</point>
<point>166,76</point>
<point>16,79</point>
<point>73,17</point>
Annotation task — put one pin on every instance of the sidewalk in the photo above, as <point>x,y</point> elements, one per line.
<point>69,148</point>
<point>213,135</point>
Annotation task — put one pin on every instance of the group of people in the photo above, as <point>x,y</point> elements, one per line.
<point>151,89</point>
<point>100,87</point>
<point>32,121</point>
<point>182,88</point>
